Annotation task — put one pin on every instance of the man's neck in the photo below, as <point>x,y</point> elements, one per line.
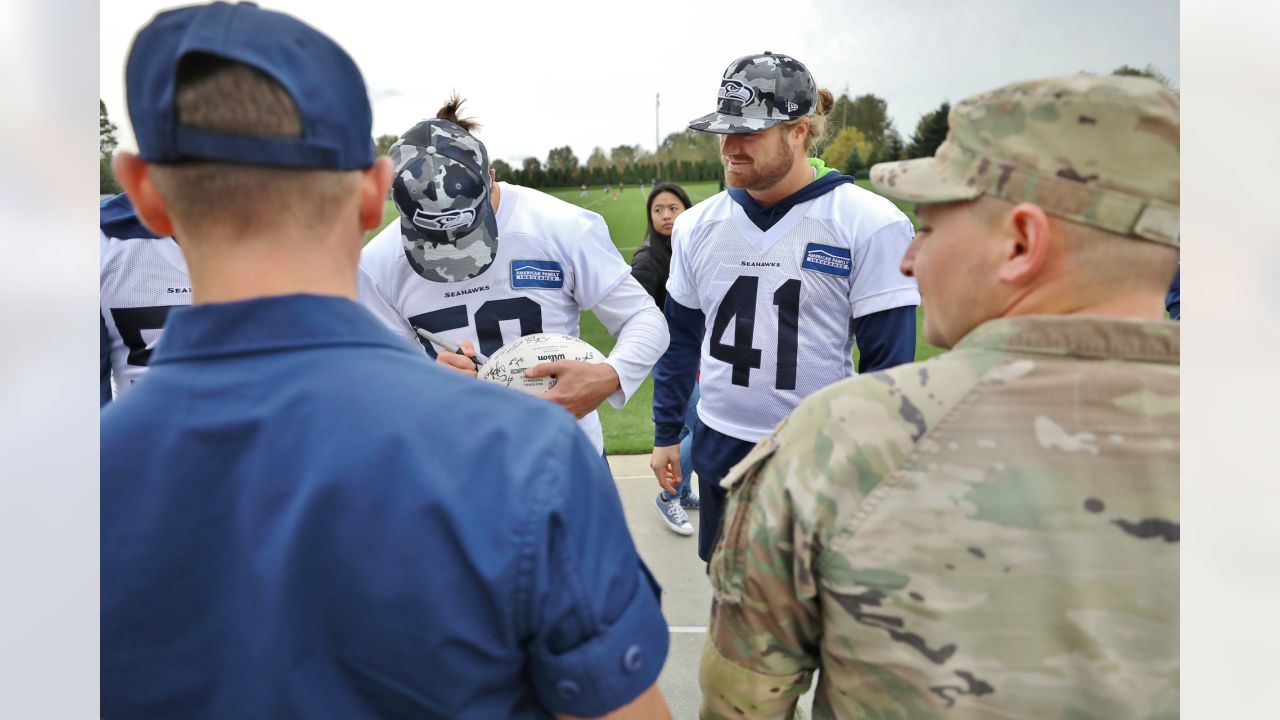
<point>244,269</point>
<point>1135,303</point>
<point>800,174</point>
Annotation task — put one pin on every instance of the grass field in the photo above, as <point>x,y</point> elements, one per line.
<point>630,430</point>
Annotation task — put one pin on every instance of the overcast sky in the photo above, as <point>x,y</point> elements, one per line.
<point>543,74</point>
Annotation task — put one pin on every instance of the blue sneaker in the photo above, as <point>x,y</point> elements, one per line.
<point>690,503</point>
<point>673,515</point>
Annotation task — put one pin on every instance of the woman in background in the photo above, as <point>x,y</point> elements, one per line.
<point>650,266</point>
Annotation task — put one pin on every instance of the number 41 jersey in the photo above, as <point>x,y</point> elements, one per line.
<point>780,303</point>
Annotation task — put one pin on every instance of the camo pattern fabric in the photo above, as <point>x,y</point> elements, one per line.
<point>992,533</point>
<point>441,190</point>
<point>758,92</point>
<point>1099,150</point>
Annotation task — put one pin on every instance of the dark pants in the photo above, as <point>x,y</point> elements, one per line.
<point>713,454</point>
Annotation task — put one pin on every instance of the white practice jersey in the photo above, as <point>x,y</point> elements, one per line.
<point>554,261</point>
<point>780,303</point>
<point>141,278</point>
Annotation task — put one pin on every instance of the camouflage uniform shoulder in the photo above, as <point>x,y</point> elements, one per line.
<point>833,451</point>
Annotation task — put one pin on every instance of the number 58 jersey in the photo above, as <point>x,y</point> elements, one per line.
<point>554,260</point>
<point>780,303</point>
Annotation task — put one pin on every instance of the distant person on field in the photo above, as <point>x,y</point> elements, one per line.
<point>651,266</point>
<point>483,263</point>
<point>289,528</point>
<point>993,533</point>
<point>773,282</point>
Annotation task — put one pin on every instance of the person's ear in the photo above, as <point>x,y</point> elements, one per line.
<point>374,183</point>
<point>800,131</point>
<point>1028,243</point>
<point>135,177</point>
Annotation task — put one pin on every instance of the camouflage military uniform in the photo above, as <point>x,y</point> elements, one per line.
<point>993,533</point>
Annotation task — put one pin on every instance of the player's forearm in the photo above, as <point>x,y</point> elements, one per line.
<point>641,342</point>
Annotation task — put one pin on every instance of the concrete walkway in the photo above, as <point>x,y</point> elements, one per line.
<point>686,593</point>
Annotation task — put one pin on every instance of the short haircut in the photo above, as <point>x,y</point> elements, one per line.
<point>1106,259</point>
<point>223,96</point>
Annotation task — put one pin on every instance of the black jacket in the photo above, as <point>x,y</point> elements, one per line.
<point>650,273</point>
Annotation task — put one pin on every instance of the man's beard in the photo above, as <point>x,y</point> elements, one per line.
<point>762,174</point>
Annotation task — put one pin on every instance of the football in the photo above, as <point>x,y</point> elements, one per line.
<point>506,366</point>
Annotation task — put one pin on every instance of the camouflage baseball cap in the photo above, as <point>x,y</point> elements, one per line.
<point>1095,149</point>
<point>758,92</point>
<point>441,189</point>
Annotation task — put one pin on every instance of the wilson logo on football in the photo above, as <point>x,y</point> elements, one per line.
<point>451,220</point>
<point>734,90</point>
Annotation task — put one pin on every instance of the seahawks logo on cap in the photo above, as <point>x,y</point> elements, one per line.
<point>445,220</point>
<point>736,90</point>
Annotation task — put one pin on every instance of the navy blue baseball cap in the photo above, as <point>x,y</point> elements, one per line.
<point>322,79</point>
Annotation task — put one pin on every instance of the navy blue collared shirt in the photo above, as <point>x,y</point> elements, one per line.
<point>303,517</point>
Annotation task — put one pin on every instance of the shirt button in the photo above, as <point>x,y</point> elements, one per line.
<point>633,660</point>
<point>567,690</point>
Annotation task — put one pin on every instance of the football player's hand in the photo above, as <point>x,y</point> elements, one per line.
<point>665,464</point>
<point>580,386</point>
<point>462,362</point>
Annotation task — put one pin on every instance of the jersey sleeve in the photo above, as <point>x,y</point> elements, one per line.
<point>878,283</point>
<point>598,267</point>
<point>374,280</point>
<point>598,638</point>
<point>630,316</point>
<point>680,284</point>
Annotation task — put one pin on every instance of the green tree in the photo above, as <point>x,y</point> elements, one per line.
<point>870,114</point>
<point>597,159</point>
<point>532,172</point>
<point>383,143</point>
<point>930,132</point>
<point>107,144</point>
<point>502,169</point>
<point>853,165</point>
<point>624,156</point>
<point>106,131</point>
<point>1147,72</point>
<point>107,183</point>
<point>563,160</point>
<point>891,149</point>
<point>847,140</point>
<point>688,145</point>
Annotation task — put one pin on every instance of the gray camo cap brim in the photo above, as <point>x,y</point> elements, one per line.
<point>722,124</point>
